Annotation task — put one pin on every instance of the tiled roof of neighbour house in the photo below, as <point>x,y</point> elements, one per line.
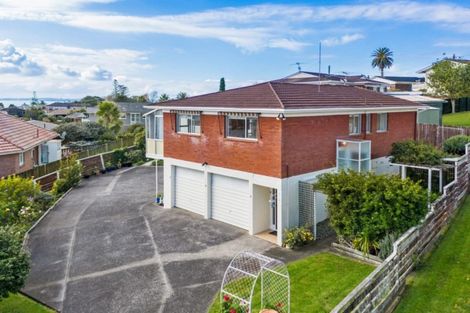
<point>17,135</point>
<point>281,95</point>
<point>133,107</point>
<point>65,105</point>
<point>60,112</point>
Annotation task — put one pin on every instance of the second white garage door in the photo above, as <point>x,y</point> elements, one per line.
<point>230,201</point>
<point>189,190</point>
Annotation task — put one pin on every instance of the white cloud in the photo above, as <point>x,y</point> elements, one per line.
<point>250,28</point>
<point>453,44</point>
<point>95,72</point>
<point>13,60</point>
<point>345,39</point>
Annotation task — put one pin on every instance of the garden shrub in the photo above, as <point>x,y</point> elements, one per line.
<point>70,173</point>
<point>456,144</point>
<point>14,261</point>
<point>16,200</point>
<point>415,153</point>
<point>297,237</point>
<point>386,245</point>
<point>365,207</point>
<point>119,157</point>
<point>136,156</point>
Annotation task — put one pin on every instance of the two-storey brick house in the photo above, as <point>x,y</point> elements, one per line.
<point>237,156</point>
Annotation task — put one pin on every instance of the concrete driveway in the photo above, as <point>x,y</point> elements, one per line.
<point>106,248</point>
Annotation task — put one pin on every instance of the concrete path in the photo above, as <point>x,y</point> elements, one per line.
<point>106,248</point>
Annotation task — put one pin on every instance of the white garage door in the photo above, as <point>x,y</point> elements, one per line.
<point>230,201</point>
<point>189,190</point>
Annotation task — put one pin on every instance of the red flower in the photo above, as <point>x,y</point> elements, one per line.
<point>226,298</point>
<point>280,305</point>
<point>233,311</point>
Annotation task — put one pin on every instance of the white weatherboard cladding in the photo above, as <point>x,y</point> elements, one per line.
<point>189,190</point>
<point>230,201</point>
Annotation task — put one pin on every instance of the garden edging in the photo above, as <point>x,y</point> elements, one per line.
<point>26,236</point>
<point>356,254</point>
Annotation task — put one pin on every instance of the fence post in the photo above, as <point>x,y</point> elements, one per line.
<point>102,162</point>
<point>403,171</point>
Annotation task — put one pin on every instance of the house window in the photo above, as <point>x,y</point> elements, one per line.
<point>135,118</point>
<point>367,123</point>
<point>21,158</point>
<point>242,127</point>
<point>354,124</point>
<point>382,121</point>
<point>353,155</point>
<point>188,123</point>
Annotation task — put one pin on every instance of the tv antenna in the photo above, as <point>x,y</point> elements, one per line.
<point>299,68</point>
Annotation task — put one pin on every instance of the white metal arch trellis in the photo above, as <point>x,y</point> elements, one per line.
<point>241,277</point>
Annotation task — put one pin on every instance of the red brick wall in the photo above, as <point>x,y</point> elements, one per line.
<point>260,157</point>
<point>309,143</point>
<point>10,163</point>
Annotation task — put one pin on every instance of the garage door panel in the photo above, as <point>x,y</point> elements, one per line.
<point>189,190</point>
<point>230,200</point>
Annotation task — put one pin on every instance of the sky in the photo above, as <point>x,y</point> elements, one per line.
<point>75,48</point>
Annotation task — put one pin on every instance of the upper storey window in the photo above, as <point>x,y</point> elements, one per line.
<point>242,126</point>
<point>354,124</point>
<point>188,123</point>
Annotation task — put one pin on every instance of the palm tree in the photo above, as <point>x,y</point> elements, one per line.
<point>382,58</point>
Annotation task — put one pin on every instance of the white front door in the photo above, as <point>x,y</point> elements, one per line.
<point>273,209</point>
<point>230,201</point>
<point>189,190</point>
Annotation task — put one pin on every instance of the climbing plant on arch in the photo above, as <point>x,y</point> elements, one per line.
<point>241,277</point>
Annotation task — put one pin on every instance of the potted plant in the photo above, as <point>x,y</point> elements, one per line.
<point>159,199</point>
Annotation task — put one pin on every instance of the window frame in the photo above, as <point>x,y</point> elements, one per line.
<point>21,159</point>
<point>359,122</point>
<point>359,159</point>
<point>245,118</point>
<point>368,123</point>
<point>379,129</point>
<point>189,132</point>
<point>133,121</point>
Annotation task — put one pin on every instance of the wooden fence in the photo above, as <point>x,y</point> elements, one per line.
<point>436,135</point>
<point>380,291</point>
<point>49,168</point>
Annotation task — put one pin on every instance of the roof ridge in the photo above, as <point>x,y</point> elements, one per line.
<point>276,95</point>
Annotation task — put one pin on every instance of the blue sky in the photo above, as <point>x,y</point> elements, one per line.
<point>76,47</point>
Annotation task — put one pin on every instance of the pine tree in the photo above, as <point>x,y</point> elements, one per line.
<point>222,84</point>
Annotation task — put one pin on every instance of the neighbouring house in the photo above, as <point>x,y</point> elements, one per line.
<point>433,110</point>
<point>60,112</point>
<point>303,77</point>
<point>238,156</point>
<point>132,112</point>
<point>76,117</point>
<point>91,114</point>
<point>428,69</point>
<point>402,83</point>
<point>24,145</point>
<point>14,110</point>
<point>63,105</point>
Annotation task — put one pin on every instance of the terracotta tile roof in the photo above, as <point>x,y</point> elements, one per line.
<point>282,95</point>
<point>17,135</point>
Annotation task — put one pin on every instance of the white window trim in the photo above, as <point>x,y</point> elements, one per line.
<point>378,123</point>
<point>368,123</point>
<point>246,127</point>
<point>188,132</point>
<point>21,158</point>
<point>359,160</point>
<point>133,120</point>
<point>358,126</point>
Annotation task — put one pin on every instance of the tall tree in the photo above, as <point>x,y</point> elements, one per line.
<point>382,58</point>
<point>450,80</point>
<point>91,101</point>
<point>222,84</point>
<point>164,97</point>
<point>109,116</point>
<point>120,92</point>
<point>181,95</point>
<point>153,96</point>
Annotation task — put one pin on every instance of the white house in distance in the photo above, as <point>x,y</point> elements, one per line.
<point>428,69</point>
<point>401,83</point>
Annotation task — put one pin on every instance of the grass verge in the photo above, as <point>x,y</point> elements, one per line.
<point>17,303</point>
<point>456,119</point>
<point>442,282</point>
<point>318,283</point>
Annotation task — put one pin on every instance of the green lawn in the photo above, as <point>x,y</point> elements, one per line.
<point>456,119</point>
<point>17,303</point>
<point>442,284</point>
<point>319,282</point>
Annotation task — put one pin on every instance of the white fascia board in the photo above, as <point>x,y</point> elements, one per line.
<point>150,112</point>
